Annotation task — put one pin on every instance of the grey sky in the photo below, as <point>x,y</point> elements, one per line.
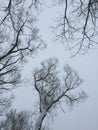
<point>82,117</point>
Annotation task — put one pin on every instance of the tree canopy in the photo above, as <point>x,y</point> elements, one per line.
<point>19,37</point>
<point>76,28</point>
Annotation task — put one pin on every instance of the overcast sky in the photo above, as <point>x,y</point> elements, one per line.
<point>82,117</point>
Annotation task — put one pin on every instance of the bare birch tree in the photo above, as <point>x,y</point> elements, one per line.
<point>52,89</point>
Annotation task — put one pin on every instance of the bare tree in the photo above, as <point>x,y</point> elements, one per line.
<point>19,37</point>
<point>77,28</point>
<point>52,89</point>
<point>17,121</point>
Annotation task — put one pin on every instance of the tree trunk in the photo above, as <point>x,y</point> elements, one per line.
<point>40,120</point>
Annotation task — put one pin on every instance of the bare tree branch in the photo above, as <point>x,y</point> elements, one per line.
<point>51,91</point>
<point>77,28</point>
<point>17,121</point>
<point>19,37</point>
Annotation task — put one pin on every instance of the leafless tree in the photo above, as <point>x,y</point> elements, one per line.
<point>17,121</point>
<point>52,90</point>
<point>77,28</point>
<point>19,37</point>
